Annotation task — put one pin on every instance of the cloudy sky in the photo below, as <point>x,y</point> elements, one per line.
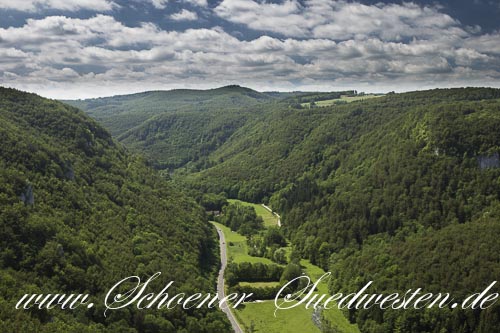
<point>89,48</point>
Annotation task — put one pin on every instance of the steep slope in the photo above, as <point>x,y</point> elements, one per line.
<point>173,140</point>
<point>78,214</point>
<point>371,189</point>
<point>177,126</point>
<point>121,113</point>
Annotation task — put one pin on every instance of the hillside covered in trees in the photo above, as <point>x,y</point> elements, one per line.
<point>175,127</point>
<point>182,127</point>
<point>78,214</point>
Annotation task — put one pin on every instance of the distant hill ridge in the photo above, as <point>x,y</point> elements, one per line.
<point>197,121</point>
<point>184,92</point>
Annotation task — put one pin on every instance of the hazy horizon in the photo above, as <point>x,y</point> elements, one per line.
<point>132,92</point>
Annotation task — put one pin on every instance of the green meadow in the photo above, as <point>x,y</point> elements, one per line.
<point>260,316</point>
<point>347,99</point>
<point>236,245</point>
<point>269,218</point>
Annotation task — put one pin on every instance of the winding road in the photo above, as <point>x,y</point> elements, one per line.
<point>220,281</point>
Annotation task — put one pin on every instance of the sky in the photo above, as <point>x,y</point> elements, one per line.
<point>70,49</point>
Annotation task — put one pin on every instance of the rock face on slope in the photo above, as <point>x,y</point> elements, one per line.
<point>489,161</point>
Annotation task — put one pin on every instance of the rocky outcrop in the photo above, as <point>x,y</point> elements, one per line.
<point>27,196</point>
<point>489,161</point>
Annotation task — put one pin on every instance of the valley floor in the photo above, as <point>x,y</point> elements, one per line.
<point>260,316</point>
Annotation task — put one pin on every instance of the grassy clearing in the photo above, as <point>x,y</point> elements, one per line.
<point>236,245</point>
<point>295,320</point>
<point>347,99</point>
<point>314,272</point>
<point>261,317</point>
<point>269,218</point>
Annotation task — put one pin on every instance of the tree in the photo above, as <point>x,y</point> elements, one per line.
<point>274,235</point>
<point>280,256</point>
<point>291,272</point>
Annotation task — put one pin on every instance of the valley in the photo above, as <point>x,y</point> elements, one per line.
<point>388,189</point>
<point>318,166</point>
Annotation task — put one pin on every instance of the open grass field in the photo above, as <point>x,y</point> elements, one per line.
<point>269,218</point>
<point>339,322</point>
<point>347,99</point>
<point>296,320</point>
<point>237,247</point>
<point>261,317</point>
<point>314,272</point>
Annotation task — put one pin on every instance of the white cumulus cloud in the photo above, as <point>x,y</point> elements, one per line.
<point>184,15</point>
<point>199,3</point>
<point>338,20</point>
<point>160,4</point>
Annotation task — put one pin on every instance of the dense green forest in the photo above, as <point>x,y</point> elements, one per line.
<point>175,127</point>
<point>78,214</point>
<point>403,190</point>
<point>183,127</point>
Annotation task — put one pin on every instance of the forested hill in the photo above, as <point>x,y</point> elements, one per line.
<point>269,152</point>
<point>174,127</point>
<point>403,190</point>
<point>78,214</point>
